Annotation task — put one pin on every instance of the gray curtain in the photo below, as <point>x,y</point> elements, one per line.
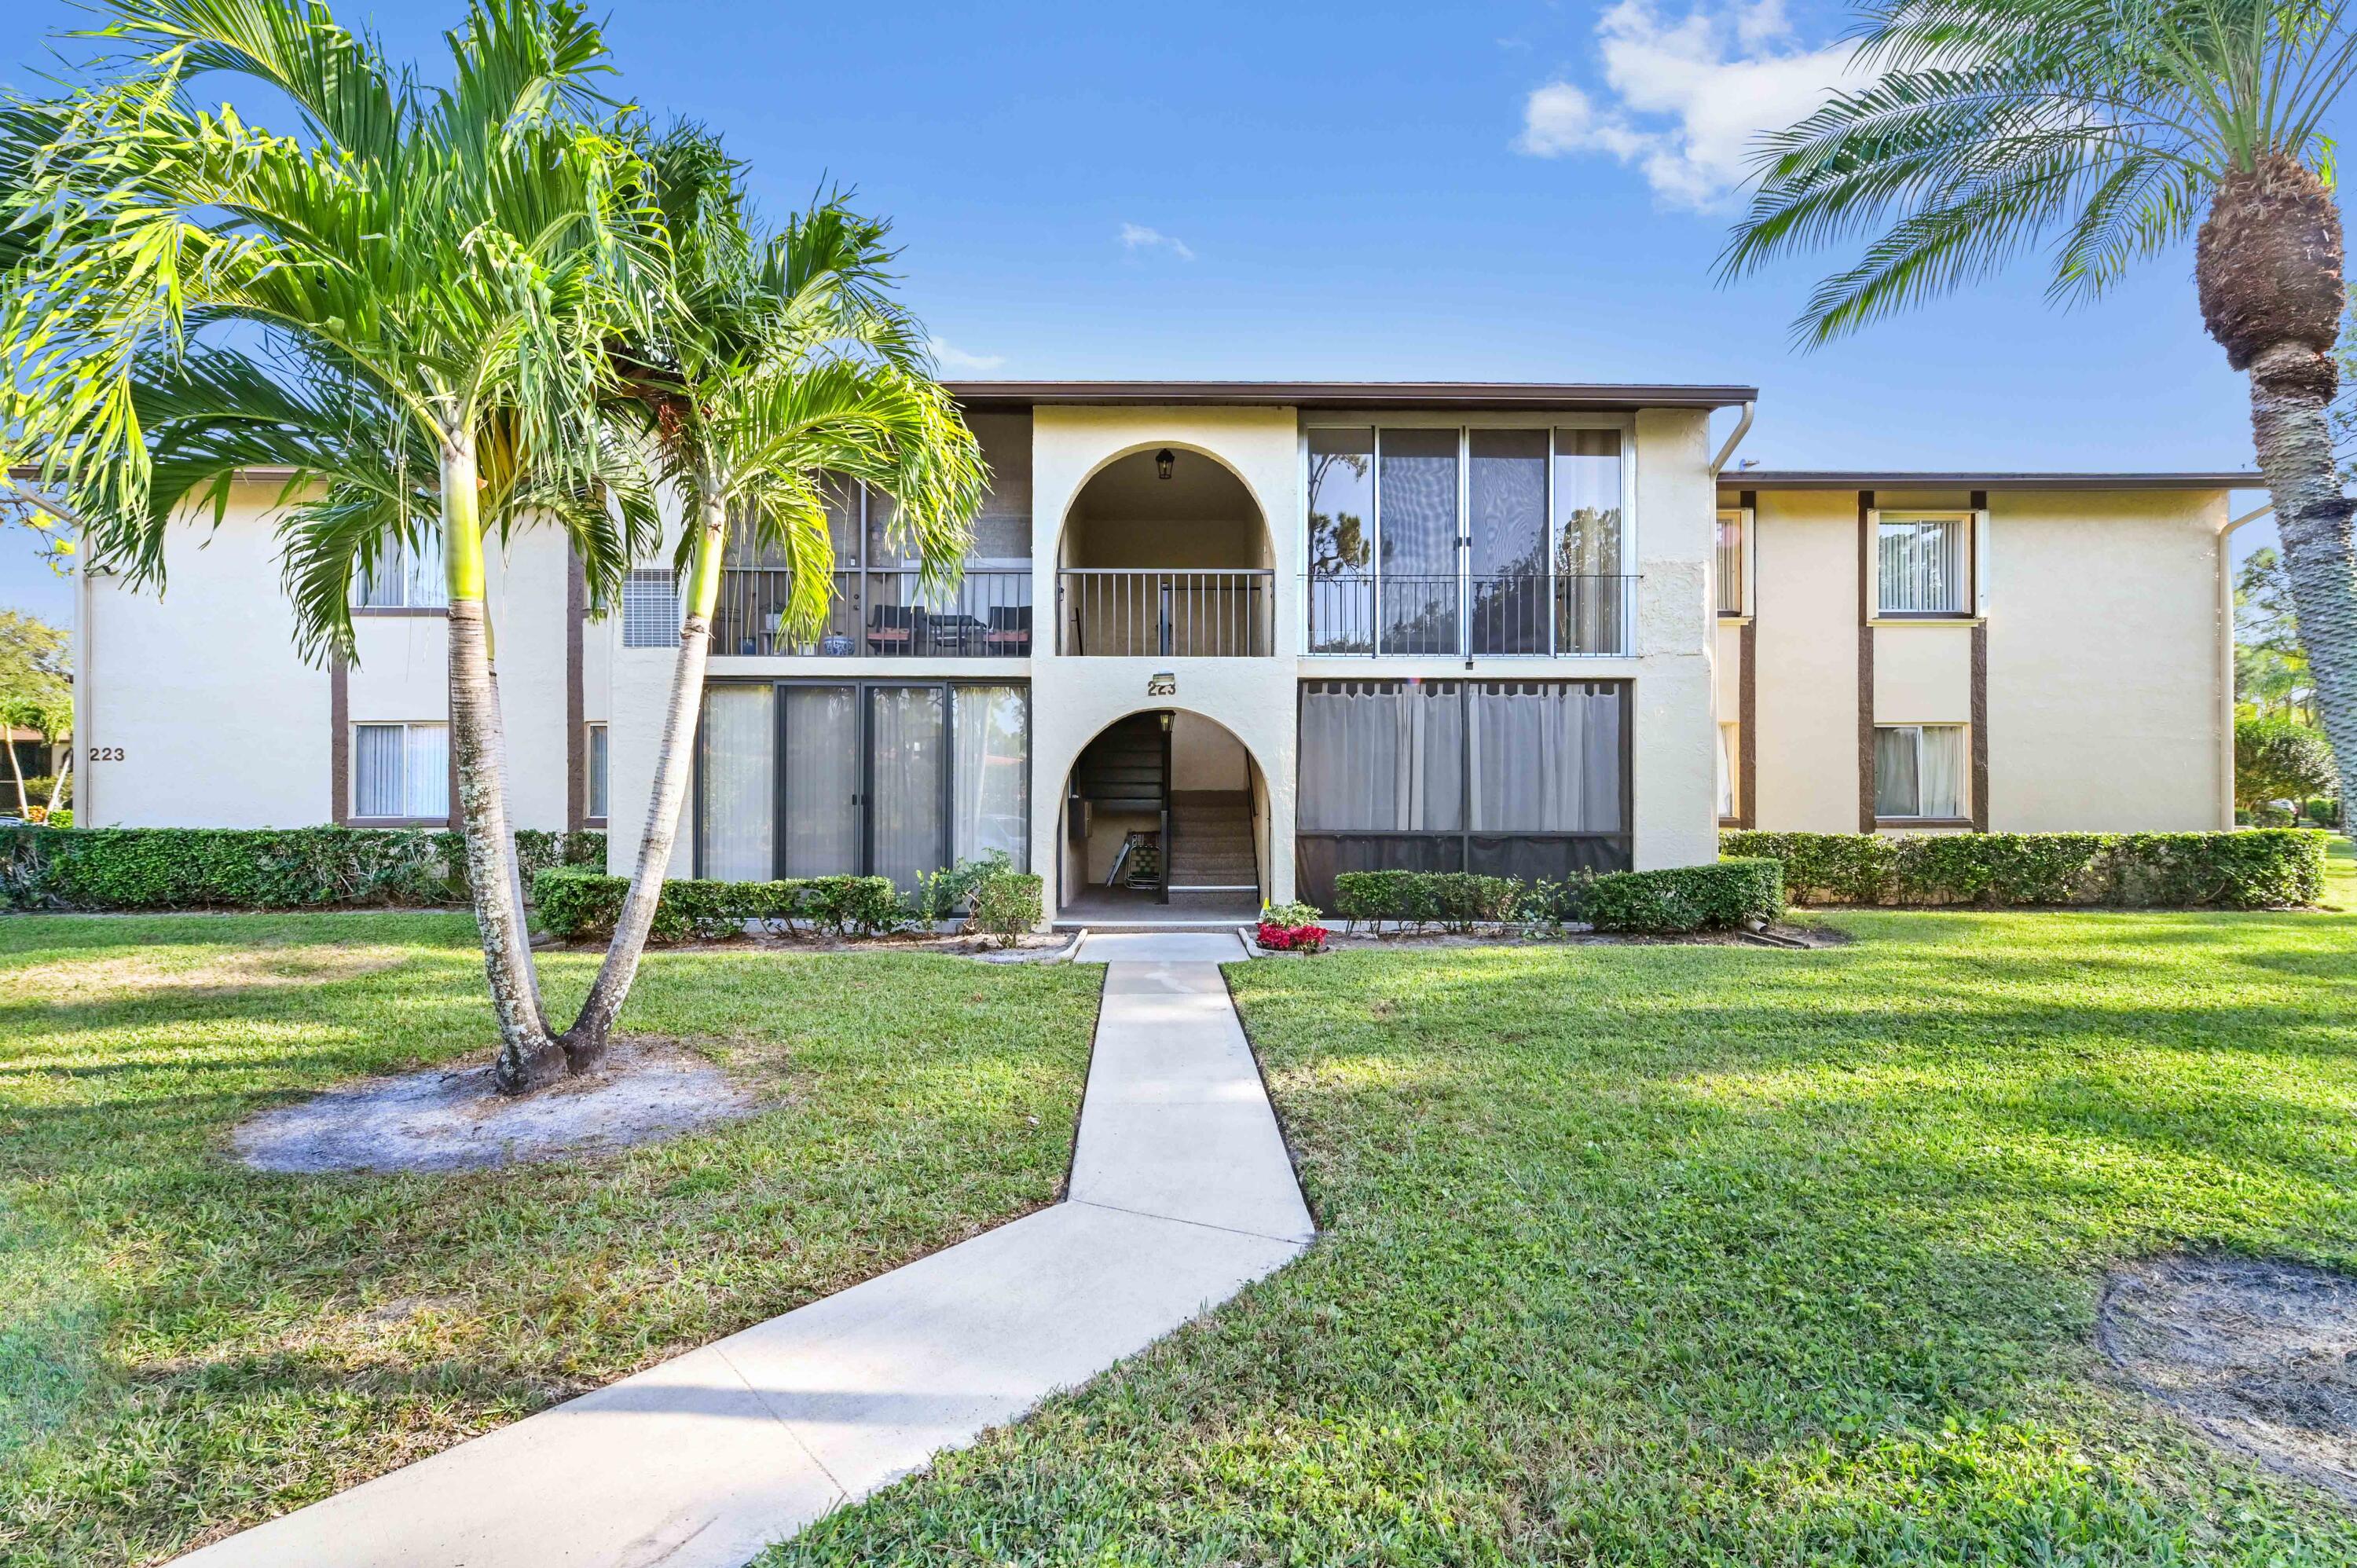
<point>822,825</point>
<point>1545,757</point>
<point>905,737</point>
<point>1382,756</point>
<point>737,761</point>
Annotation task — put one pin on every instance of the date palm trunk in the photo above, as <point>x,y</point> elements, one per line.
<point>2269,268</point>
<point>585,1042</point>
<point>528,1059</point>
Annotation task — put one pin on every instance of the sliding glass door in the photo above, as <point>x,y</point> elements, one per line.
<point>882,778</point>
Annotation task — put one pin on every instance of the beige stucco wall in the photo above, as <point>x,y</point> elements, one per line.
<point>1806,639</point>
<point>1675,764</point>
<point>2106,662</point>
<point>1922,674</point>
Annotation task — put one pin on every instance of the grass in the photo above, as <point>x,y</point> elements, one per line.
<point>1680,1254</point>
<point>188,1346</point>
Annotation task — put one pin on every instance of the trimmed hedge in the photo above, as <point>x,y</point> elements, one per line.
<point>2261,869</point>
<point>578,906</point>
<point>1684,898</point>
<point>1721,898</point>
<point>254,868</point>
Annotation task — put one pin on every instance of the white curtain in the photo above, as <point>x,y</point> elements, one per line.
<point>597,766</point>
<point>1730,563</point>
<point>1382,756</point>
<point>426,771</point>
<point>1924,566</point>
<point>821,823</point>
<point>1942,770</point>
<point>1726,770</point>
<point>1897,789</point>
<point>991,765</point>
<point>376,770</point>
<point>738,762</point>
<point>1545,757</point>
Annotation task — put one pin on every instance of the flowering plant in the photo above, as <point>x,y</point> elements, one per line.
<point>1292,928</point>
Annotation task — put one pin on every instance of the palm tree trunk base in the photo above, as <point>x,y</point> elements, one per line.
<point>584,1048</point>
<point>521,1072</point>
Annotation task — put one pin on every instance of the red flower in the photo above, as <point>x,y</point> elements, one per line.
<point>1292,938</point>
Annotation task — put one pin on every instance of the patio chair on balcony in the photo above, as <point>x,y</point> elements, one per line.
<point>895,628</point>
<point>1008,630</point>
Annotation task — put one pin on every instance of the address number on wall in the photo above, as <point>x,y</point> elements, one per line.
<point>106,754</point>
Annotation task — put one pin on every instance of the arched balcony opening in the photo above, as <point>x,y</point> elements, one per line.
<point>1166,554</point>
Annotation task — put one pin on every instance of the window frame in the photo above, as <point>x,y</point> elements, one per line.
<point>1746,522</point>
<point>1975,529</point>
<point>398,560</point>
<point>864,684</point>
<point>597,771</point>
<point>1464,425</point>
<point>354,817</point>
<point>1964,776</point>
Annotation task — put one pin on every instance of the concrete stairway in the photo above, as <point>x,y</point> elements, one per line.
<point>1211,842</point>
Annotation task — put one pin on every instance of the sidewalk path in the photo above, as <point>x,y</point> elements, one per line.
<point>1182,1195</point>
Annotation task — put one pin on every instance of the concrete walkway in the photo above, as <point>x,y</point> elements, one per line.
<point>1182,1195</point>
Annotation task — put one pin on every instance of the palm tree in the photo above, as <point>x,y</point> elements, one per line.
<point>407,302</point>
<point>2113,128</point>
<point>776,364</point>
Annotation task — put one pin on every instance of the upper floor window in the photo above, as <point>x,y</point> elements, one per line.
<point>1447,539</point>
<point>1923,565</point>
<point>650,608</point>
<point>597,770</point>
<point>1734,537</point>
<point>406,578</point>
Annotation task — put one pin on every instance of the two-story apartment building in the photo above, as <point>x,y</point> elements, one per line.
<point>1218,641</point>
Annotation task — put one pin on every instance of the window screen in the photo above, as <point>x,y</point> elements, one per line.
<point>401,770</point>
<point>1924,566</point>
<point>1383,756</point>
<point>649,610</point>
<point>1545,756</point>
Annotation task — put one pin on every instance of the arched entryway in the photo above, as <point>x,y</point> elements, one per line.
<point>1165,553</point>
<point>1165,817</point>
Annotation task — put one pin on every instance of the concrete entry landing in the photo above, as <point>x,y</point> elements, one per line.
<point>1182,1195</point>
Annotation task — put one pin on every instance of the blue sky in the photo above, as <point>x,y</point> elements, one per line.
<point>1515,190</point>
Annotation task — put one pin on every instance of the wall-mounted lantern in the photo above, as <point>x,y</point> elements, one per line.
<point>1163,461</point>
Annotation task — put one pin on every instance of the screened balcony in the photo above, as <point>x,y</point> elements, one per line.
<point>1460,541</point>
<point>880,607</point>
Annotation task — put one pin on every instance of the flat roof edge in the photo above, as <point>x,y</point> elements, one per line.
<point>1847,479</point>
<point>1351,395</point>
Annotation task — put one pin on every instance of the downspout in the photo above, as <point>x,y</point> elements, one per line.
<point>1734,439</point>
<point>2226,663</point>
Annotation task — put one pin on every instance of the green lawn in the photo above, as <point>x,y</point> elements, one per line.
<point>186,1347</point>
<point>1682,1254</point>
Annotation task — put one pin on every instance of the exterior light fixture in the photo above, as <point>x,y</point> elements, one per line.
<point>1162,462</point>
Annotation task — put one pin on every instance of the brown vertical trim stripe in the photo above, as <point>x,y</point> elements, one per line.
<point>1747,717</point>
<point>577,711</point>
<point>1864,662</point>
<point>339,740</point>
<point>1980,688</point>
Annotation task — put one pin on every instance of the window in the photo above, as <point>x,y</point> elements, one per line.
<point>893,778</point>
<point>1465,541</point>
<point>1919,772</point>
<point>1732,527</point>
<point>649,609</point>
<point>1501,777</point>
<point>1924,566</point>
<point>400,771</point>
<point>597,773</point>
<point>405,577</point>
<point>1730,750</point>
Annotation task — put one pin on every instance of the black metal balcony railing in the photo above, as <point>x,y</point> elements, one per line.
<point>880,613</point>
<point>1560,615</point>
<point>1115,612</point>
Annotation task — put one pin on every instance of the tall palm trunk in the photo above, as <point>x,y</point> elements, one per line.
<point>586,1041</point>
<point>2269,264</point>
<point>528,1058</point>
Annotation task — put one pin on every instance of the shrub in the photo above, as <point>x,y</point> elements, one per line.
<point>1717,898</point>
<point>1292,928</point>
<point>2277,760</point>
<point>2324,811</point>
<point>942,893</point>
<point>2264,869</point>
<point>576,906</point>
<point>1006,905</point>
<point>1456,900</point>
<point>245,869</point>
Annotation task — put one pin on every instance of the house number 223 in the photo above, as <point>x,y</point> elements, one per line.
<point>106,754</point>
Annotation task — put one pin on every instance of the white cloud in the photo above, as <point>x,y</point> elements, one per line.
<point>957,358</point>
<point>1138,237</point>
<point>1685,97</point>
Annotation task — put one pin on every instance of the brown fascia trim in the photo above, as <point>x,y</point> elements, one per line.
<point>1495,395</point>
<point>1845,479</point>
